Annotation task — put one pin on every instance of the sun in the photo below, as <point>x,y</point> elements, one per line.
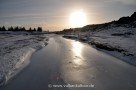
<point>77,19</point>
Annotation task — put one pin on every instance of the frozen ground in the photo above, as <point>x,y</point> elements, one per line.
<point>16,49</point>
<point>121,40</point>
<point>117,41</point>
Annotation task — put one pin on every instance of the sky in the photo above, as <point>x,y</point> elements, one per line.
<point>54,15</point>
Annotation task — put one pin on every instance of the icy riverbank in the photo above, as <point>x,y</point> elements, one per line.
<point>15,51</point>
<point>117,41</point>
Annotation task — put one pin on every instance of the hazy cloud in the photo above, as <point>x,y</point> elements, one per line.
<point>56,12</point>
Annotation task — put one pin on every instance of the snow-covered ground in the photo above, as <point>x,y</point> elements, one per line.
<point>122,40</point>
<point>16,49</point>
<point>117,41</point>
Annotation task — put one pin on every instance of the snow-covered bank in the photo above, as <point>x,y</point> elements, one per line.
<point>117,41</point>
<point>15,52</point>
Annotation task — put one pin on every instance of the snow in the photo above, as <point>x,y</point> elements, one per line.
<point>16,49</point>
<point>118,37</point>
<point>121,39</point>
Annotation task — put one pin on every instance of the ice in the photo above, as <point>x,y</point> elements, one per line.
<point>118,41</point>
<point>16,49</point>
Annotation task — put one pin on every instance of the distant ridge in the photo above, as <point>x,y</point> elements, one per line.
<point>127,21</point>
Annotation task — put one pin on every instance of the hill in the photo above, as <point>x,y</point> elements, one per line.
<point>127,21</point>
<point>117,38</point>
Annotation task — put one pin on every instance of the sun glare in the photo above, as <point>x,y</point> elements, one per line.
<point>78,19</point>
<point>77,49</point>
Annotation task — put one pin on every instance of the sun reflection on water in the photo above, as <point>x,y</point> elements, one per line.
<point>77,48</point>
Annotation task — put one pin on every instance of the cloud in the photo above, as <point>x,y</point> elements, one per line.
<point>122,1</point>
<point>128,1</point>
<point>57,11</point>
